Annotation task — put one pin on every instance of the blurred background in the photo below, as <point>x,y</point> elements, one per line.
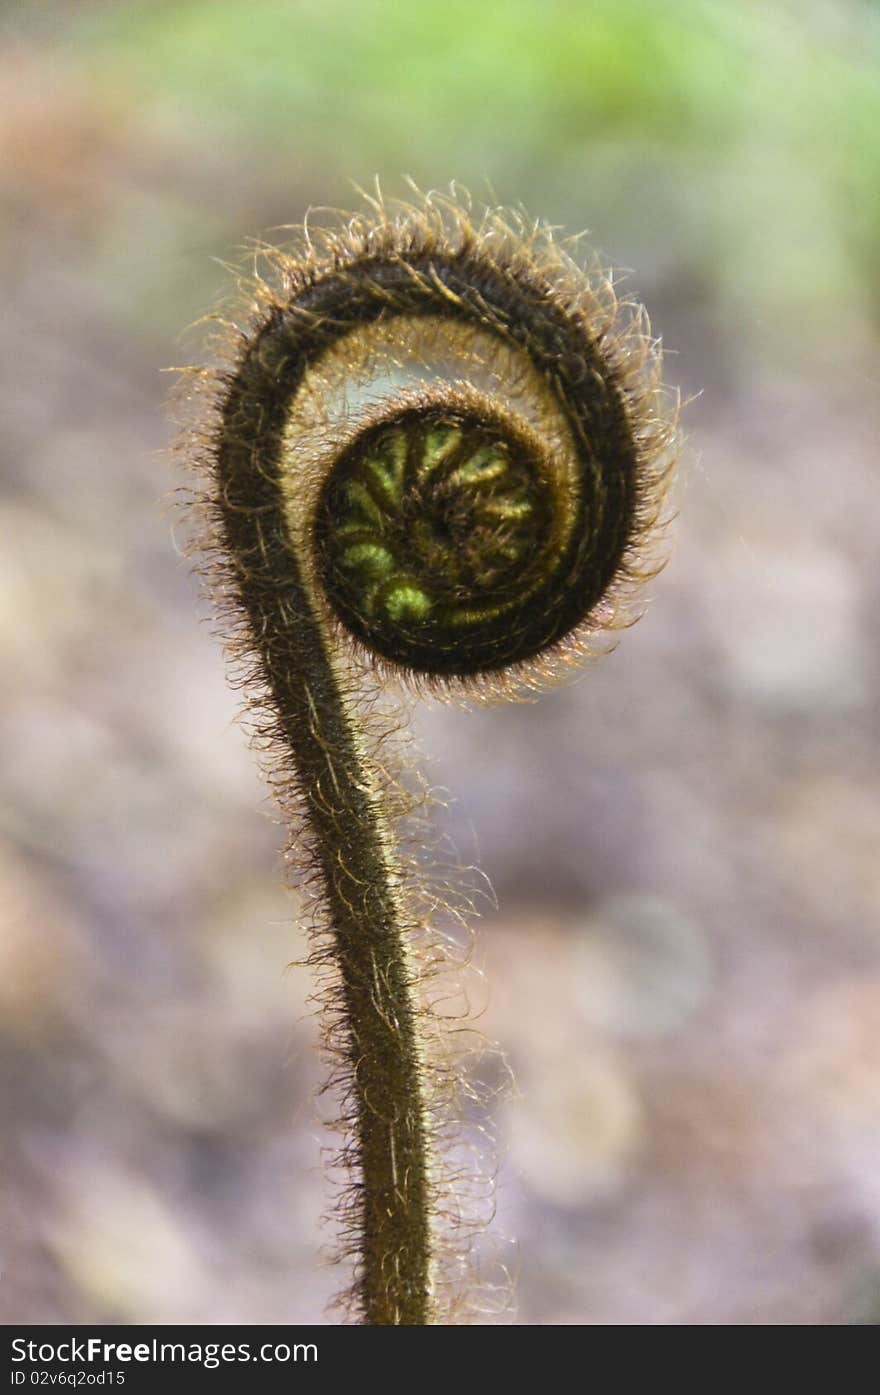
<point>684,967</point>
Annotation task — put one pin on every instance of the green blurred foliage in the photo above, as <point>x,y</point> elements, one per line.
<point>686,134</point>
<point>729,154</point>
<point>430,79</point>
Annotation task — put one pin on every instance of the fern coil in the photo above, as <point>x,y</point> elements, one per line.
<point>442,441</point>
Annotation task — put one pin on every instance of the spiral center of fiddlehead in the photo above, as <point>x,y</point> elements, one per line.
<point>434,530</point>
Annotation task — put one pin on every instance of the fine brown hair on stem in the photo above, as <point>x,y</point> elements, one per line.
<point>433,448</point>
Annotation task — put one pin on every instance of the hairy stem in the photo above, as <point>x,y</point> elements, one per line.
<point>352,848</point>
<point>381,1028</point>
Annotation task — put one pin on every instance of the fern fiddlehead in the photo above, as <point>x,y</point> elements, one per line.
<point>437,449</point>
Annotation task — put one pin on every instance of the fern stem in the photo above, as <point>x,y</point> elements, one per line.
<point>382,1044</point>
<point>339,788</point>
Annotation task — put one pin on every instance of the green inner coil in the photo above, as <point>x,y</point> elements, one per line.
<point>433,532</point>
